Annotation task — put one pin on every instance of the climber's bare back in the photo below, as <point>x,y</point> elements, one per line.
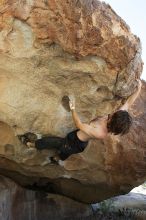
<point>96,129</point>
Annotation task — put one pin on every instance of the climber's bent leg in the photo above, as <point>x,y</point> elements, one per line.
<point>49,143</point>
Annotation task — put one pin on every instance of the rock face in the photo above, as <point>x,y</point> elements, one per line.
<point>53,49</point>
<point>19,203</point>
<point>50,49</point>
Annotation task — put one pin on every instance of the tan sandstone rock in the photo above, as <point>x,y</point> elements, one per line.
<point>53,49</point>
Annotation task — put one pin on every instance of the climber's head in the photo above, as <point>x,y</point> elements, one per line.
<point>119,122</point>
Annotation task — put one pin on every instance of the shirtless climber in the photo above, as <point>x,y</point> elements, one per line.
<point>117,123</point>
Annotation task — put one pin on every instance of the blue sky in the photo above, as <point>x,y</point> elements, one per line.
<point>133,12</point>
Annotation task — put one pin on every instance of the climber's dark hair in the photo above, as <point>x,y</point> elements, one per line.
<point>119,123</point>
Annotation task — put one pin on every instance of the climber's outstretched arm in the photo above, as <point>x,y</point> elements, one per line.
<point>132,98</point>
<point>86,128</point>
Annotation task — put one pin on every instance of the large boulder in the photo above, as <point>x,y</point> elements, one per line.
<point>53,49</point>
